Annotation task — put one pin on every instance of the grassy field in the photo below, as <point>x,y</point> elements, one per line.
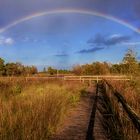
<point>32,110</point>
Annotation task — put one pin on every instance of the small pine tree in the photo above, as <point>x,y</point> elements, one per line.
<point>130,63</point>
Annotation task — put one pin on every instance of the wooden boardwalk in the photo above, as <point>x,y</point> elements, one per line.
<point>76,123</point>
<point>99,132</point>
<point>94,118</point>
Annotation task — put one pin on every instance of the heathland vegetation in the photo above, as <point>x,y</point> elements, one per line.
<point>33,109</point>
<point>16,69</point>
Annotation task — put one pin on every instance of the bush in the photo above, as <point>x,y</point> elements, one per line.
<point>83,92</point>
<point>16,89</point>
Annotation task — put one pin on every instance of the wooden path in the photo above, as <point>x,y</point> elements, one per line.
<point>76,124</point>
<point>94,118</point>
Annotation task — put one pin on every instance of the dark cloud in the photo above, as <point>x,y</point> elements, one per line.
<point>97,40</point>
<point>61,55</point>
<point>92,50</point>
<point>102,42</point>
<point>115,39</point>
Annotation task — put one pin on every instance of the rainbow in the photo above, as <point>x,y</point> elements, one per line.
<point>76,11</point>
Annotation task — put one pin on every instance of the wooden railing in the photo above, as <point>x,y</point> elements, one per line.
<point>129,111</point>
<point>89,78</point>
<point>97,78</point>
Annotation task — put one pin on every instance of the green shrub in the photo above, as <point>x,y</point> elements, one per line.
<point>83,92</point>
<point>16,89</point>
<point>74,99</point>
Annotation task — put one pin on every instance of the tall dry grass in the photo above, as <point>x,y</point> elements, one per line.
<point>34,110</point>
<point>131,93</point>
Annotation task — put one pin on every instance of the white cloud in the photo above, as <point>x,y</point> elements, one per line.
<point>115,36</point>
<point>6,41</point>
<point>9,41</point>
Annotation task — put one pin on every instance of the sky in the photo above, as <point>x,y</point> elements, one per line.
<point>63,33</point>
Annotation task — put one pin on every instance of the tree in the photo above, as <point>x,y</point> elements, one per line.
<point>2,67</point>
<point>96,68</point>
<point>11,69</point>
<point>20,69</point>
<point>87,69</point>
<point>77,69</point>
<point>101,68</point>
<point>130,64</point>
<point>51,71</point>
<point>63,71</point>
<point>30,70</point>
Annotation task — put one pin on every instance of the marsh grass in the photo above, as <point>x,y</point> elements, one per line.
<point>34,110</point>
<point>132,96</point>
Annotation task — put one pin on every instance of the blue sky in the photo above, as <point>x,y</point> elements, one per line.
<point>64,39</point>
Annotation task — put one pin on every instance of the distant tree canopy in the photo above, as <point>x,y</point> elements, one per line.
<point>16,69</point>
<point>96,68</point>
<point>128,66</point>
<point>130,63</point>
<point>52,71</point>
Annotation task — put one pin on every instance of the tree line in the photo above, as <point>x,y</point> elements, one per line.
<point>54,71</point>
<point>129,66</point>
<point>16,69</point>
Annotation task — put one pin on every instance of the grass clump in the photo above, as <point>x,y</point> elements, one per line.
<point>83,92</point>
